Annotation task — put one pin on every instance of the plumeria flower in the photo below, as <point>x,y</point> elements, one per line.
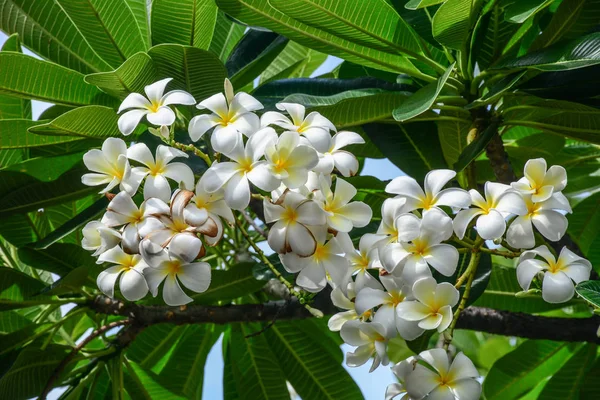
<point>367,257</point>
<point>421,246</point>
<point>344,161</point>
<point>155,107</point>
<point>123,211</point>
<point>111,166</point>
<point>293,215</point>
<point>396,291</point>
<point>231,117</point>
<point>391,209</point>
<point>547,216</point>
<point>559,275</point>
<point>402,370</point>
<point>343,215</point>
<point>290,161</point>
<point>327,260</point>
<point>177,266</point>
<point>157,171</point>
<point>538,182</point>
<point>433,195</point>
<point>443,380</point>
<point>129,267</point>
<point>344,299</point>
<point>499,202</point>
<point>433,305</point>
<point>371,339</point>
<point>235,176</point>
<point>98,237</point>
<point>315,128</point>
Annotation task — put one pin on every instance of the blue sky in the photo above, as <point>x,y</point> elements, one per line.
<point>371,384</point>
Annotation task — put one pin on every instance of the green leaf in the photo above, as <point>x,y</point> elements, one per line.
<point>453,21</point>
<point>69,283</point>
<point>554,116</point>
<point>476,147</point>
<point>29,78</point>
<point>131,77</point>
<point>261,13</point>
<point>421,343</point>
<point>414,148</point>
<point>46,29</point>
<point>590,388</point>
<point>315,101</point>
<point>13,107</point>
<point>497,90</point>
<point>422,99</point>
<point>523,368</point>
<point>196,71</point>
<point>566,383</point>
<point>226,35</point>
<point>16,289</point>
<point>141,12</point>
<point>578,53</point>
<point>416,4</point>
<point>184,371</point>
<point>518,11</point>
<point>60,258</point>
<point>590,292</point>
<point>91,122</point>
<point>493,349</point>
<point>584,224</point>
<point>101,22</point>
<point>565,16</point>
<point>294,61</point>
<point>16,136</point>
<point>256,371</point>
<point>313,371</point>
<point>187,22</point>
<point>11,321</point>
<point>235,282</point>
<point>453,135</point>
<point>143,384</point>
<point>252,55</point>
<point>18,338</point>
<point>492,34</point>
<point>151,348</point>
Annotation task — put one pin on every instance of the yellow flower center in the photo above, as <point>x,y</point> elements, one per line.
<point>532,208</point>
<point>245,165</point>
<point>397,298</point>
<point>179,226</point>
<point>427,201</point>
<point>174,267</point>
<point>157,169</point>
<point>154,106</point>
<point>420,247</point>
<point>320,252</point>
<point>289,214</point>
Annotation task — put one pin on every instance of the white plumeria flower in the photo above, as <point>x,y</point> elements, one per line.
<point>421,246</point>
<point>206,205</point>
<point>433,196</point>
<point>315,127</point>
<point>232,116</point>
<point>111,166</point>
<point>157,171</point>
<point>343,215</point>
<point>235,176</point>
<point>344,299</point>
<point>499,202</point>
<point>456,381</point>
<point>98,237</point>
<point>123,211</point>
<point>391,209</point>
<point>396,291</point>
<point>326,261</point>
<point>367,257</point>
<point>538,182</point>
<point>289,161</point>
<point>344,161</point>
<point>433,306</point>
<point>293,215</point>
<point>402,370</point>
<point>312,184</point>
<point>155,107</point>
<point>129,267</point>
<point>177,266</point>
<point>547,216</point>
<point>371,339</point>
<point>559,275</point>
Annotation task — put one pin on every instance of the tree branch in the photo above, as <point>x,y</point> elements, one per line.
<point>499,160</point>
<point>472,318</point>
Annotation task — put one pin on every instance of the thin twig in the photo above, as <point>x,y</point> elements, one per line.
<point>254,224</point>
<point>193,149</point>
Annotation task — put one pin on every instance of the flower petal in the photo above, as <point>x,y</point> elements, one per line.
<point>180,173</point>
<point>301,240</point>
<point>453,197</point>
<point>466,389</point>
<point>405,186</point>
<point>526,271</point>
<point>237,192</point>
<point>134,100</point>
<point>218,175</point>
<point>535,171</point>
<point>157,187</point>
<point>338,320</point>
<point>312,278</point>
<point>491,226</point>
<point>163,116</point>
<point>309,213</point>
<point>243,102</point>
<point>368,298</point>
<point>551,224</point>
<point>520,233</point>
<point>463,219</point>
<point>133,285</point>
<point>556,176</point>
<point>557,287</point>
<point>155,91</point>
<point>346,163</point>
<point>106,280</point>
<point>277,236</point>
<point>345,138</point>
<point>446,294</point>
<point>422,382</point>
<point>200,124</point>
<point>442,257</point>
<point>173,295</point>
<point>195,276</point>
<point>432,321</point>
<point>215,103</point>
<point>412,311</point>
<point>224,139</point>
<point>130,120</point>
<point>435,180</point>
<point>177,97</point>
<point>185,247</point>
<point>462,367</point>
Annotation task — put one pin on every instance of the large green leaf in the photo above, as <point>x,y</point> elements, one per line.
<point>590,388</point>
<point>235,282</point>
<point>226,35</point>
<point>523,368</point>
<point>475,148</point>
<point>141,12</point>
<point>143,384</point>
<point>60,258</point>
<point>131,77</point>
<point>106,25</point>
<point>416,4</point>
<point>91,122</point>
<point>581,52</point>
<point>453,132</point>
<point>414,148</point>
<point>196,71</point>
<point>566,383</point>
<point>520,10</point>
<point>313,371</point>
<point>256,371</point>
<point>453,21</point>
<point>46,29</point>
<point>13,107</point>
<point>294,61</point>
<point>554,116</point>
<point>566,15</point>
<point>151,348</point>
<point>26,77</point>
<point>590,292</point>
<point>16,289</point>
<point>261,13</point>
<point>584,224</point>
<point>188,22</point>
<point>422,99</point>
<point>15,135</point>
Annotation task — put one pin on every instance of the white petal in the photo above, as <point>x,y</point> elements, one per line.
<point>463,219</point>
<point>130,120</point>
<point>437,358</point>
<point>215,103</point>
<point>158,187</point>
<point>424,290</point>
<point>185,247</point>
<point>165,154</point>
<point>309,213</point>
<point>360,356</point>
<point>551,224</point>
<point>301,240</point>
<point>368,298</point>
<point>247,123</point>
<point>526,270</point>
<point>296,111</point>
<point>346,163</point>
<point>141,153</point>
<point>556,176</point>
<point>224,139</point>
<point>447,294</point>
<point>408,330</point>
<point>466,389</point>
<point>277,236</point>
<point>237,192</point>
<point>244,102</point>
<point>345,138</point>
<point>133,285</point>
<point>421,382</point>
<point>312,278</point>
<point>262,177</point>
<point>106,280</point>
<point>134,100</point>
<point>163,116</point>
<point>453,197</point>
<point>432,321</point>
<point>557,287</point>
<point>177,97</point>
<point>405,186</point>
<point>491,226</point>
<point>131,239</point>
<point>442,257</point>
<point>578,272</point>
<point>154,277</point>
<point>338,320</point>
<point>318,137</point>
<point>436,179</point>
<point>195,276</point>
<point>535,170</point>
<point>462,367</point>
<point>441,393</point>
<point>200,124</point>
<point>180,173</point>
<point>447,317</point>
<point>520,233</point>
<point>173,295</point>
<point>156,90</point>
<point>412,311</point>
<point>511,202</point>
<point>218,174</point>
<point>543,193</point>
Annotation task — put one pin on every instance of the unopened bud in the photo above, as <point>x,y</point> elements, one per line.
<point>228,91</point>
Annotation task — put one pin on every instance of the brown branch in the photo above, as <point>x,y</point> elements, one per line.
<point>254,225</point>
<point>499,160</point>
<point>472,318</point>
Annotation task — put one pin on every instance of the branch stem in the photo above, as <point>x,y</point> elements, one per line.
<point>193,149</point>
